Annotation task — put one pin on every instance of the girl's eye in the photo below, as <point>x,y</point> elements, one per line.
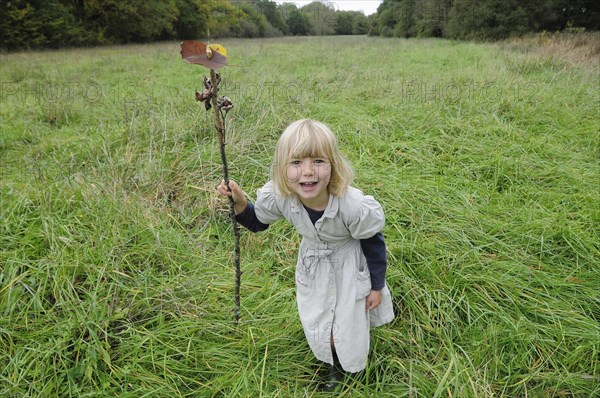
<point>320,161</point>
<point>295,163</point>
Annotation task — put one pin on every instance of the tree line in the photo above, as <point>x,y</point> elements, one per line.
<point>482,19</point>
<point>61,23</point>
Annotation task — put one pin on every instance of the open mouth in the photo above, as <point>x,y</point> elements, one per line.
<point>308,185</point>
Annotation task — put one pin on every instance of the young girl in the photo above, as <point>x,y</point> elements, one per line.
<point>340,272</point>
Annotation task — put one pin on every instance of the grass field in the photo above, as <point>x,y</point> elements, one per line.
<point>116,255</point>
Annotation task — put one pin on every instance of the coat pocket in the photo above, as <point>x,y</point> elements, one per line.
<point>362,279</point>
<point>306,269</point>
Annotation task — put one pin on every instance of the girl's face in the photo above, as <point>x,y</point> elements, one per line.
<point>309,178</point>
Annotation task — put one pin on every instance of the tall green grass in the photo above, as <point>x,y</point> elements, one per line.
<point>116,276</point>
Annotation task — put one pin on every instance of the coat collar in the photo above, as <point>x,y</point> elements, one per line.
<point>330,211</point>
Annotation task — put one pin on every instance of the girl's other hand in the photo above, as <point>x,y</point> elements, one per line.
<point>239,198</point>
<point>373,300</point>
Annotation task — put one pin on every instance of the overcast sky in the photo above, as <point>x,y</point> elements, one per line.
<point>367,6</point>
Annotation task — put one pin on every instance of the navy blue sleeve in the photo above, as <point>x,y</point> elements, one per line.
<point>374,251</point>
<point>249,220</point>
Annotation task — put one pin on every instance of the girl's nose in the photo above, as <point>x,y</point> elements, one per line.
<point>307,169</point>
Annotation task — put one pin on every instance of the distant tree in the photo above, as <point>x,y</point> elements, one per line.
<point>223,15</point>
<point>395,18</point>
<point>487,19</point>
<point>360,25</point>
<point>286,9</point>
<point>134,20</point>
<point>344,20</point>
<point>351,23</point>
<point>322,17</point>
<point>252,22</point>
<point>481,19</point>
<point>192,19</point>
<point>43,23</point>
<point>561,14</point>
<point>272,13</point>
<point>298,23</point>
<point>241,19</point>
<point>498,19</point>
<point>373,28</point>
<point>58,23</point>
<point>431,17</point>
<point>387,18</point>
<point>405,27</point>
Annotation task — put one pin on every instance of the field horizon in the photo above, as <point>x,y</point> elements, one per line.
<point>116,259</point>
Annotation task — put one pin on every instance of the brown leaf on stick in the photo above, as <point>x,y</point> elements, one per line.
<point>194,52</point>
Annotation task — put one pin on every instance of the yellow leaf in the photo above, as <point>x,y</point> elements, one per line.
<point>218,48</point>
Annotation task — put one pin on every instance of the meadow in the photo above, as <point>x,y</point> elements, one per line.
<point>116,259</point>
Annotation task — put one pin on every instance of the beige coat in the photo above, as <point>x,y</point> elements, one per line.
<point>332,277</point>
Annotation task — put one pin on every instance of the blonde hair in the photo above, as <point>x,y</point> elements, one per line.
<point>310,138</point>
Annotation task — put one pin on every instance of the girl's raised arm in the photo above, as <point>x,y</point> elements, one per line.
<point>239,198</point>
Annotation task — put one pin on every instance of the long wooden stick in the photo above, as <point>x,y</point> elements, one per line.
<point>220,126</point>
